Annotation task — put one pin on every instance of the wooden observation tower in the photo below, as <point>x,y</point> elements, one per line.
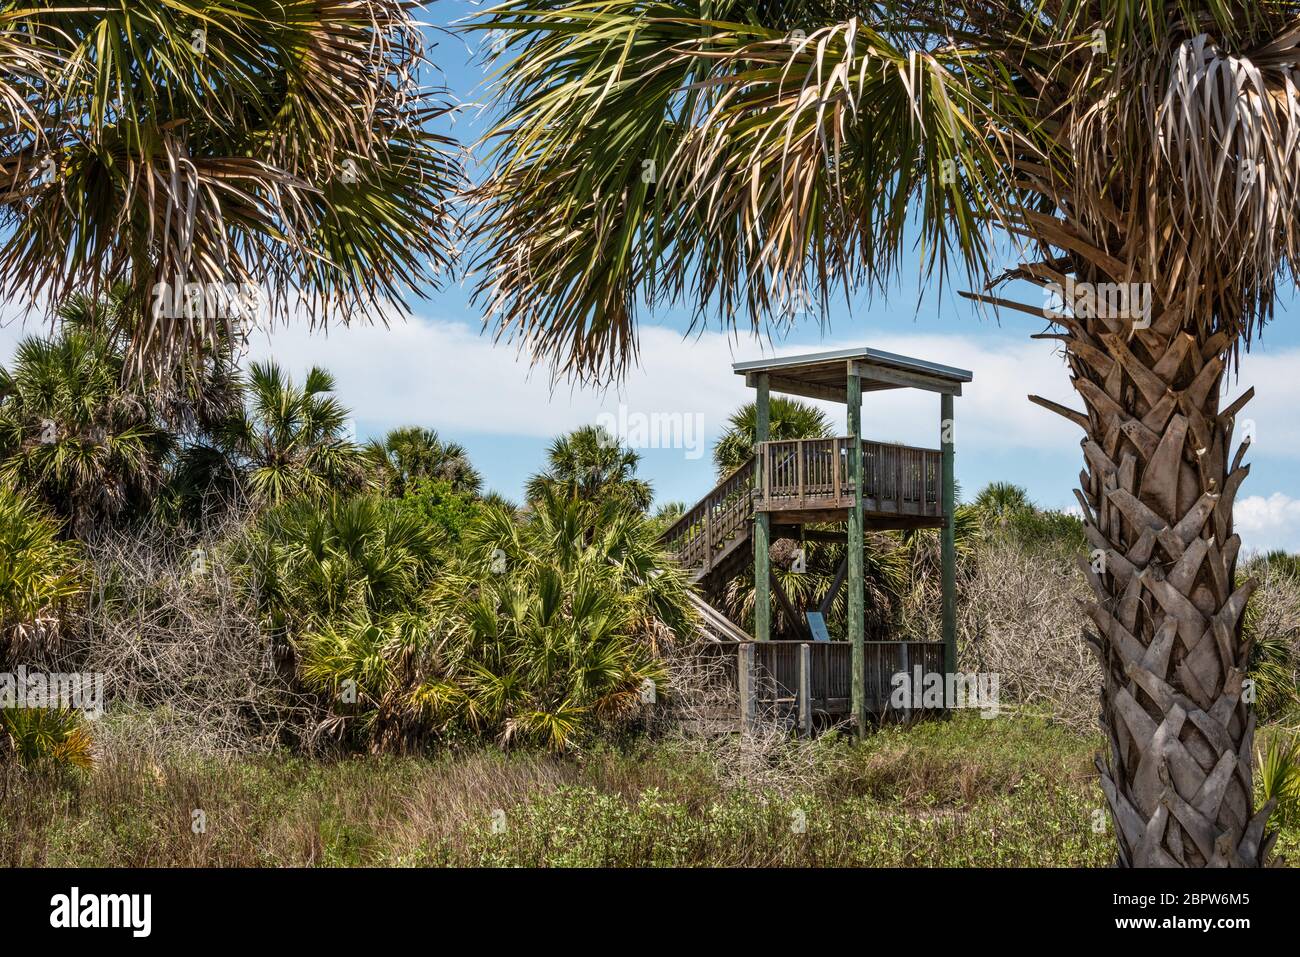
<point>845,486</point>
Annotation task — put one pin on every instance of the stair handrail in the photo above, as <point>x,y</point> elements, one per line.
<point>704,506</point>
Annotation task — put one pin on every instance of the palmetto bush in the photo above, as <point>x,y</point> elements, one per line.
<point>343,589</point>
<point>39,575</point>
<point>45,738</point>
<point>539,632</point>
<point>309,564</point>
<point>1272,625</point>
<point>554,628</point>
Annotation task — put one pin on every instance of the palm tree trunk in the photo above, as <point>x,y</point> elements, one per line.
<point>1157,493</point>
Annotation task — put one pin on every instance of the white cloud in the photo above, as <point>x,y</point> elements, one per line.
<point>1272,522</point>
<point>449,375</point>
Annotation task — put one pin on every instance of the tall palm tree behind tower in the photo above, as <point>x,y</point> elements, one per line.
<point>751,158</point>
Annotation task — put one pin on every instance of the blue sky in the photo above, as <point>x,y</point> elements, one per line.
<point>438,370</point>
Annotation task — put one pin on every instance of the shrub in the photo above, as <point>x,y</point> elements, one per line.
<point>47,738</point>
<point>1272,625</point>
<point>38,577</point>
<point>554,627</point>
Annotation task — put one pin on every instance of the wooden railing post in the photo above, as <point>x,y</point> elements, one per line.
<point>708,535</point>
<point>801,476</point>
<point>899,495</point>
<point>805,690</point>
<point>745,684</point>
<point>856,543</point>
<point>948,549</point>
<point>835,468</point>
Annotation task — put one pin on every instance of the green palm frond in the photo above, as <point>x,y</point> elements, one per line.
<point>47,737</point>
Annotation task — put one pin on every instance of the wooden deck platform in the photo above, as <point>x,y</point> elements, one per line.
<point>807,480</point>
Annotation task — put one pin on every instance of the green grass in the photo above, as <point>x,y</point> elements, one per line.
<point>968,792</point>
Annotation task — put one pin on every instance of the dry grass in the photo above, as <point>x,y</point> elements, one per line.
<point>966,792</point>
<point>904,798</point>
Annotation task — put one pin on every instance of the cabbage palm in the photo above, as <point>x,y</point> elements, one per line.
<point>283,146</point>
<point>998,501</point>
<point>288,440</point>
<point>411,453</point>
<point>748,159</point>
<point>590,464</point>
<point>788,419</point>
<point>71,434</point>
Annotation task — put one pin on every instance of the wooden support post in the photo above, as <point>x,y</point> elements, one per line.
<point>949,544</point>
<point>745,684</point>
<point>805,690</point>
<point>762,520</point>
<point>857,594</point>
<point>904,666</point>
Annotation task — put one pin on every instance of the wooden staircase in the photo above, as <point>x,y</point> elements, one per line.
<point>717,528</point>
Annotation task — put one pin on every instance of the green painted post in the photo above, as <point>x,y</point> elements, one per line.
<point>854,582</point>
<point>949,549</point>
<point>762,521</point>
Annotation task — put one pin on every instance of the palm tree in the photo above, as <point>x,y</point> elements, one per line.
<point>71,434</point>
<point>788,419</point>
<point>280,149</point>
<point>590,464</point>
<point>749,159</point>
<point>285,441</point>
<point>411,453</point>
<point>998,502</point>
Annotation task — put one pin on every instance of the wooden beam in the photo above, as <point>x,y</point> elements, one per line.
<point>788,530</point>
<point>762,521</point>
<point>948,551</point>
<point>857,595</point>
<point>840,574</point>
<point>898,378</point>
<point>790,386</point>
<point>788,607</point>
